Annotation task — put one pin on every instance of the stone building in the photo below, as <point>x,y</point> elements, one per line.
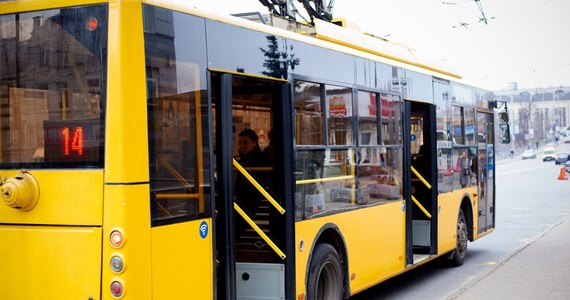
<point>539,115</point>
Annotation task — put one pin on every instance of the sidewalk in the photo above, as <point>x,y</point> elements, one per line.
<point>541,270</point>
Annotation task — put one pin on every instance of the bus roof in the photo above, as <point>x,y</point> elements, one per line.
<point>328,35</point>
<point>376,46</point>
<point>324,34</point>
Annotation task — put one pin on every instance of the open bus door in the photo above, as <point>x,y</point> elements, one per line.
<point>486,170</point>
<point>254,223</point>
<point>420,144</point>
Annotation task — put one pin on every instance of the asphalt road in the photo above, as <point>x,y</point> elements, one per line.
<point>530,201</point>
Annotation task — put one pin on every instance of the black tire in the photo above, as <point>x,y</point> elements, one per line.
<point>457,256</point>
<point>325,274</point>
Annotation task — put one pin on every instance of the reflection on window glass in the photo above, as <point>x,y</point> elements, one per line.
<point>368,110</point>
<point>259,53</point>
<point>420,85</point>
<point>469,123</point>
<point>391,119</point>
<point>444,167</point>
<point>379,175</point>
<point>457,121</point>
<point>339,121</point>
<point>324,182</point>
<point>178,153</point>
<point>444,136</point>
<point>482,130</point>
<point>52,88</point>
<point>465,162</point>
<point>308,114</point>
<point>315,62</point>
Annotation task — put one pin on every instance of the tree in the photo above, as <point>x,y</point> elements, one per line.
<point>276,61</point>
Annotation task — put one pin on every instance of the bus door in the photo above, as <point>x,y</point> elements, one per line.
<point>253,157</point>
<point>485,172</point>
<point>422,210</point>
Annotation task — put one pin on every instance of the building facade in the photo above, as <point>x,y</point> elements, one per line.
<point>537,116</point>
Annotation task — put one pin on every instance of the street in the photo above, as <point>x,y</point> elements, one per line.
<point>530,202</point>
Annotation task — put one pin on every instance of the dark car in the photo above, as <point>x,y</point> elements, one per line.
<point>562,158</point>
<point>567,166</point>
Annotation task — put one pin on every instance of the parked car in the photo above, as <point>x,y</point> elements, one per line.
<point>567,166</point>
<point>548,154</point>
<point>528,154</point>
<point>561,158</point>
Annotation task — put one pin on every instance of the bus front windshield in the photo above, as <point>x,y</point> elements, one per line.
<point>52,87</point>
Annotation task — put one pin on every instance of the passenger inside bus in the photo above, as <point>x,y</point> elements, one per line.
<point>250,156</point>
<point>246,194</point>
<point>250,153</point>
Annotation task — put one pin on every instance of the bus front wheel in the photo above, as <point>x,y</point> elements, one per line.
<point>457,256</point>
<point>325,275</point>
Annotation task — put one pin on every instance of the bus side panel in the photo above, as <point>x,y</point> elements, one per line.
<point>448,206</point>
<point>376,248</point>
<point>41,262</point>
<point>127,210</point>
<point>65,198</point>
<point>182,262</point>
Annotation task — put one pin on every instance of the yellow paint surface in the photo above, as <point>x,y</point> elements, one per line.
<point>49,262</point>
<point>376,246</point>
<point>67,197</point>
<point>182,262</point>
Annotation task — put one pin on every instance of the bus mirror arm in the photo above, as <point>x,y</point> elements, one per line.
<point>504,130</point>
<point>499,104</point>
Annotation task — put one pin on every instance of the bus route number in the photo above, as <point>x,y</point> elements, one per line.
<point>69,141</point>
<point>72,140</point>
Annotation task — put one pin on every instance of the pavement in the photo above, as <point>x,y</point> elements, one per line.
<point>540,270</point>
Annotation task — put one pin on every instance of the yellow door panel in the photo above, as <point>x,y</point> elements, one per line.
<point>448,212</point>
<point>41,262</point>
<point>65,198</point>
<point>376,248</point>
<point>182,262</point>
<point>447,222</point>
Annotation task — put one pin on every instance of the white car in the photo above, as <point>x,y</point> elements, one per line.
<point>549,154</point>
<point>528,154</point>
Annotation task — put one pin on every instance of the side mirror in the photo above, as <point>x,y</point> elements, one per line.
<point>503,117</point>
<point>505,132</point>
<point>505,137</point>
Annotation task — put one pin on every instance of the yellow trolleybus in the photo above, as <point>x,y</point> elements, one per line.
<point>123,175</point>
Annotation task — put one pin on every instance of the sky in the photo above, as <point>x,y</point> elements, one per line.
<point>523,41</point>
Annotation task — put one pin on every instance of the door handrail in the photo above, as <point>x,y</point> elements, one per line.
<point>259,231</point>
<point>326,179</point>
<point>421,177</point>
<point>258,187</point>
<point>421,207</point>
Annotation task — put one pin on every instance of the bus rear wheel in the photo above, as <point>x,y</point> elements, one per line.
<point>457,256</point>
<point>325,275</point>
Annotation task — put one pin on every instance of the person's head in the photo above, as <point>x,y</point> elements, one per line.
<point>247,141</point>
